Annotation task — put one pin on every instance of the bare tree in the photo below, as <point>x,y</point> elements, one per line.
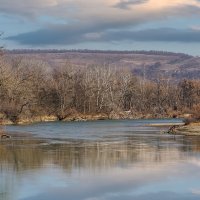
<point>30,88</point>
<point>63,79</point>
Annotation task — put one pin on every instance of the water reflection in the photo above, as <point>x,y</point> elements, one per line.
<point>18,155</point>
<point>138,167</point>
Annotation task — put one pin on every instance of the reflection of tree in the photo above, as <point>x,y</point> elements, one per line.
<point>27,154</point>
<point>20,155</point>
<point>17,156</point>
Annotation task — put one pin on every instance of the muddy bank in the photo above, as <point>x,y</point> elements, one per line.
<point>192,129</point>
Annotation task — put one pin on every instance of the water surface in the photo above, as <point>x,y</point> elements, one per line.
<point>102,160</point>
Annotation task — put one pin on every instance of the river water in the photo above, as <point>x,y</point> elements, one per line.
<point>100,160</point>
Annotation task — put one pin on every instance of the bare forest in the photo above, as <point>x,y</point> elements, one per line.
<point>29,90</point>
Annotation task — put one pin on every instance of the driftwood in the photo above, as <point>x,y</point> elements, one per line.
<point>4,135</point>
<point>172,129</point>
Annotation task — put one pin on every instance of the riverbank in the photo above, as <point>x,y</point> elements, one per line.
<point>181,128</point>
<point>192,129</point>
<point>51,118</point>
<point>85,117</point>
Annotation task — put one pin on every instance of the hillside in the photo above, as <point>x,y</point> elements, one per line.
<point>150,64</point>
<point>43,85</point>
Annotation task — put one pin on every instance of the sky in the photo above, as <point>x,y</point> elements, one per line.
<point>166,25</point>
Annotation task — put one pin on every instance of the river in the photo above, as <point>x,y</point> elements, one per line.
<point>99,160</point>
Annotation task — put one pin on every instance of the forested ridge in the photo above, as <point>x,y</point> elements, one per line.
<point>29,89</point>
<point>29,51</point>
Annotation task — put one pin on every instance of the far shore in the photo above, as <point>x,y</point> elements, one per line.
<point>87,117</point>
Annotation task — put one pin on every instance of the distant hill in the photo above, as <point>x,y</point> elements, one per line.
<point>150,64</point>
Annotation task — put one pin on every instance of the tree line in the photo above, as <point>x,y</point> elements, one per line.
<point>30,88</point>
<point>34,51</point>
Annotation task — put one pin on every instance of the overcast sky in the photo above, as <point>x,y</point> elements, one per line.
<point>169,25</point>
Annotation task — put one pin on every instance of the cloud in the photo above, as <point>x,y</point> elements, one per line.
<point>155,35</point>
<point>68,36</point>
<point>124,4</point>
<point>49,36</point>
<point>197,27</point>
<point>99,10</point>
<point>100,20</point>
<point>26,7</point>
<point>195,191</point>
